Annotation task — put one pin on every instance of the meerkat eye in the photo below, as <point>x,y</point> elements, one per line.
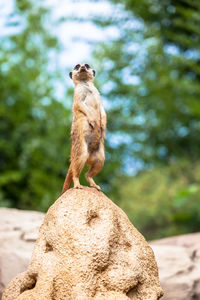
<point>76,67</point>
<point>87,66</point>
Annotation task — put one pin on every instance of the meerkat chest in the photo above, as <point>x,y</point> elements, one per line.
<point>92,97</point>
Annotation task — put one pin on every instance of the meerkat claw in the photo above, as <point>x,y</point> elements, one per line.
<point>78,186</point>
<point>96,187</point>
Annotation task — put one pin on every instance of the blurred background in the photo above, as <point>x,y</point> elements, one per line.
<point>146,54</point>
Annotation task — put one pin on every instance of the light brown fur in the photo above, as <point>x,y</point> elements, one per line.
<point>88,128</point>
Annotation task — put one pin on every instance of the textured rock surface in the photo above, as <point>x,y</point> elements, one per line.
<point>87,249</point>
<point>179,266</point>
<point>18,233</point>
<point>178,257</point>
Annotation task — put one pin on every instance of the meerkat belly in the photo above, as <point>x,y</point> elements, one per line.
<point>93,133</point>
<point>81,129</point>
<point>93,138</point>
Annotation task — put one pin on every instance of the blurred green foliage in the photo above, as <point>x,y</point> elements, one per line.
<point>33,124</point>
<point>149,78</point>
<point>163,201</point>
<point>150,73</point>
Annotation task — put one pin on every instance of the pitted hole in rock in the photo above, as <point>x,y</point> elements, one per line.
<point>195,289</point>
<point>194,255</point>
<point>127,245</point>
<point>29,283</point>
<point>91,217</point>
<point>49,248</point>
<point>132,292</point>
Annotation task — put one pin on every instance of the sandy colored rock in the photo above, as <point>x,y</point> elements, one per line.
<point>18,233</point>
<point>179,266</point>
<point>178,257</point>
<point>87,249</point>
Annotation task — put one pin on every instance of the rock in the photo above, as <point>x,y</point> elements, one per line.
<point>87,249</point>
<point>178,257</point>
<point>179,266</point>
<point>18,232</point>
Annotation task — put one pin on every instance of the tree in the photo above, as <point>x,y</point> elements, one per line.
<point>33,124</point>
<point>150,77</point>
<point>164,200</point>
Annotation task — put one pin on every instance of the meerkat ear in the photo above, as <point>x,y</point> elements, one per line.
<point>94,72</point>
<point>70,75</point>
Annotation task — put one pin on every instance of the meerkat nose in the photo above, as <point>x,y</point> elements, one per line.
<point>82,69</point>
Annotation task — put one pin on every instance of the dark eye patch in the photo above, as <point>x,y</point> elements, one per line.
<point>76,67</point>
<point>87,66</point>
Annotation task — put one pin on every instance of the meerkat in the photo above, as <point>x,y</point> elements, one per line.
<point>88,128</point>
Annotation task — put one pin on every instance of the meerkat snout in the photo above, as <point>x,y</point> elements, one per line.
<point>83,69</point>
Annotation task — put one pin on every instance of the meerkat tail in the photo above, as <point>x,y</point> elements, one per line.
<point>68,180</point>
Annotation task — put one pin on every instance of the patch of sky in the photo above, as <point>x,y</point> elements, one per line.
<point>116,139</point>
<point>14,59</point>
<point>162,151</point>
<point>131,165</point>
<point>86,30</point>
<point>174,50</point>
<point>59,93</point>
<point>183,131</point>
<point>108,64</point>
<point>139,52</point>
<point>137,147</point>
<point>129,78</point>
<point>80,8</point>
<point>14,25</point>
<point>149,42</point>
<point>133,48</point>
<point>141,136</point>
<point>139,120</point>
<point>30,62</point>
<point>106,104</point>
<point>46,101</point>
<point>108,87</point>
<point>135,24</point>
<point>77,39</point>
<point>192,54</point>
<point>4,67</point>
<point>171,49</point>
<point>38,113</point>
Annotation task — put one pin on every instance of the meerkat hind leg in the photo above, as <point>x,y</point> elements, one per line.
<point>77,184</point>
<point>78,163</point>
<point>95,166</point>
<point>91,173</point>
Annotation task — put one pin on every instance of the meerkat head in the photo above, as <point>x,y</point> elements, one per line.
<point>82,72</point>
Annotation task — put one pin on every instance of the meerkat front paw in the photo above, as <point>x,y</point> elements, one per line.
<point>96,186</point>
<point>78,186</point>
